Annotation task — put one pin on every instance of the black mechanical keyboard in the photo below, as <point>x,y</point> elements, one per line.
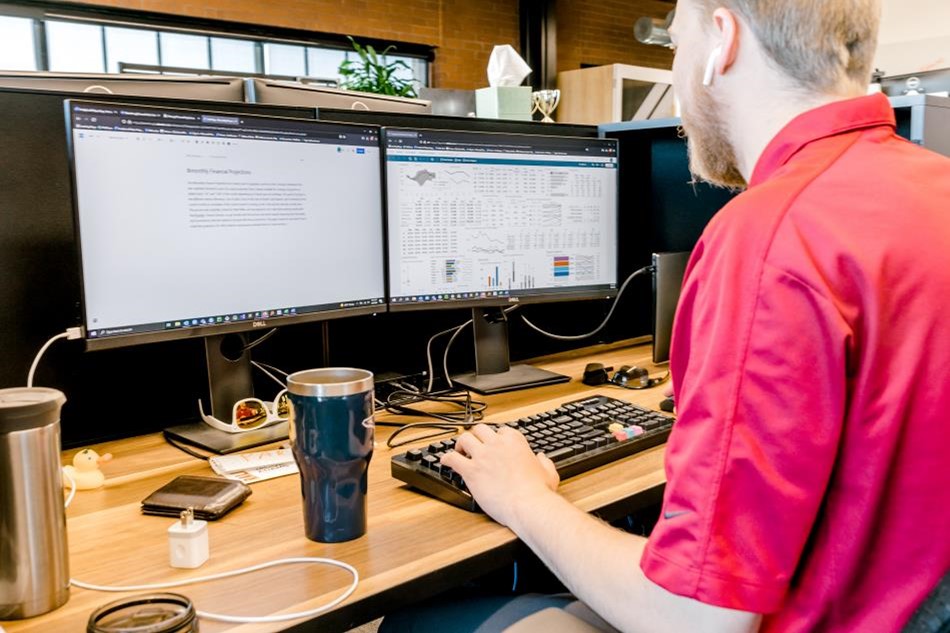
<point>577,436</point>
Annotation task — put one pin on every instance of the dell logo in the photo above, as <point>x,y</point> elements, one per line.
<point>259,324</point>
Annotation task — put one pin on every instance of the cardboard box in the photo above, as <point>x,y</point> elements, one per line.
<point>504,102</point>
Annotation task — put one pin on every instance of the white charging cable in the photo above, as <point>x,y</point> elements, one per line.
<point>72,491</point>
<point>234,619</point>
<point>70,333</point>
<point>238,619</point>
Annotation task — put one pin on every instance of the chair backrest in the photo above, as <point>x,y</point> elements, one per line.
<point>933,616</point>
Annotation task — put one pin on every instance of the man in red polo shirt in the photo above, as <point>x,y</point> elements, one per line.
<point>808,479</point>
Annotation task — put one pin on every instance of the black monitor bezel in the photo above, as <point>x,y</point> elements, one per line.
<point>138,338</point>
<point>548,297</point>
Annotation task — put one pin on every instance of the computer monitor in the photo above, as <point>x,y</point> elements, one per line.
<point>487,221</point>
<point>211,88</point>
<point>202,224</point>
<point>662,208</point>
<point>275,91</point>
<point>668,272</point>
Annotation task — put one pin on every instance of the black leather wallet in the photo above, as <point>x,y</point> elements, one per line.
<point>210,497</point>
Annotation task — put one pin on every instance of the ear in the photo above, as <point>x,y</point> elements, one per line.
<point>727,26</point>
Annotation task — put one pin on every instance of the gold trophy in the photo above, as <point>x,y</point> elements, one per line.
<point>545,101</point>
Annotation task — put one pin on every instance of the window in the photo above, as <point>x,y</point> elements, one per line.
<point>132,46</point>
<point>75,47</point>
<point>96,45</point>
<point>184,51</point>
<point>17,50</point>
<point>324,63</point>
<point>284,59</point>
<point>234,55</point>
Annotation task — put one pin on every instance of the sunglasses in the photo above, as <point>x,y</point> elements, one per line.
<point>249,414</point>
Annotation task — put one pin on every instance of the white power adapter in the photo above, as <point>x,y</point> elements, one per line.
<point>188,541</point>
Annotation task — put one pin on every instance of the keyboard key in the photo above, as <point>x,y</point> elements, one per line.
<point>559,454</point>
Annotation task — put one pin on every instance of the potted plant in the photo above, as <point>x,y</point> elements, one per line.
<point>370,72</point>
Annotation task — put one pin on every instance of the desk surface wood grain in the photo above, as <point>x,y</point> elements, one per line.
<point>414,545</point>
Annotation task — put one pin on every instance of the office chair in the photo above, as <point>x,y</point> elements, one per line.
<point>933,616</point>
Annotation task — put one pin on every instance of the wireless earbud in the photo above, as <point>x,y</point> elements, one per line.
<point>711,66</point>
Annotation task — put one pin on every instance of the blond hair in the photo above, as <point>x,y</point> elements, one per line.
<point>818,43</point>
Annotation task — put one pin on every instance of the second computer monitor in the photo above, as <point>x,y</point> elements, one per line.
<point>480,219</point>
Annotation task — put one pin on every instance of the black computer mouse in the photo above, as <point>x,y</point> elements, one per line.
<point>632,377</point>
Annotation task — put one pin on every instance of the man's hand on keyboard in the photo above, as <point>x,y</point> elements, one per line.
<point>500,470</point>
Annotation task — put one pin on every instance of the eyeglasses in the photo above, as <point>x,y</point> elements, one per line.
<point>249,414</point>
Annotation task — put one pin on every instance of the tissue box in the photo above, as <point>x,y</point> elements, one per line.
<point>504,102</point>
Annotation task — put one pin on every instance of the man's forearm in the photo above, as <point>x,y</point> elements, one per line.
<point>601,566</point>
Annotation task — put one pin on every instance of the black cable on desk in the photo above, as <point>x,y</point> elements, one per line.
<point>398,403</point>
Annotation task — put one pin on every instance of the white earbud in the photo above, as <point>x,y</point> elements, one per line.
<point>711,66</point>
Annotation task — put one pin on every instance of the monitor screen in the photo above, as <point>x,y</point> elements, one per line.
<point>195,223</point>
<point>479,218</point>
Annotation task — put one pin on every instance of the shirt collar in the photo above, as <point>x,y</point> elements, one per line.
<point>822,122</point>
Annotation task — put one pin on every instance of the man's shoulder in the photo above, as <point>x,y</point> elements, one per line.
<point>874,172</point>
<point>751,215</point>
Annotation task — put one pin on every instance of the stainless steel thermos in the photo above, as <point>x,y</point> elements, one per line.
<point>34,566</point>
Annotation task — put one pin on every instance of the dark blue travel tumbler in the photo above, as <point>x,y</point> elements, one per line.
<point>331,432</point>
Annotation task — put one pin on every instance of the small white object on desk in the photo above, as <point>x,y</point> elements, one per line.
<point>84,471</point>
<point>257,466</point>
<point>188,542</point>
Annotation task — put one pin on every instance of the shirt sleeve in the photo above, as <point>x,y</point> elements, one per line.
<point>759,362</point>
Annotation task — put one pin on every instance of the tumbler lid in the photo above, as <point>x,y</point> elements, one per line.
<point>25,408</point>
<point>330,382</point>
<point>150,613</point>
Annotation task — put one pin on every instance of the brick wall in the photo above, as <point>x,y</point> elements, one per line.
<point>463,31</point>
<point>596,33</point>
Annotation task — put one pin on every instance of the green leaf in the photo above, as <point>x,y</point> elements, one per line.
<point>373,73</point>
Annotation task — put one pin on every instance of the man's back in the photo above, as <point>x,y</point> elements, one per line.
<point>812,361</point>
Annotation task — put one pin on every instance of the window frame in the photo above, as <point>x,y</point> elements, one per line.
<point>159,23</point>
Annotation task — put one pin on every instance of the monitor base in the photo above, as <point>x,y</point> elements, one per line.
<point>518,377</point>
<point>203,436</point>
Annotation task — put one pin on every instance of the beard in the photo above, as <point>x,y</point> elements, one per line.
<point>712,157</point>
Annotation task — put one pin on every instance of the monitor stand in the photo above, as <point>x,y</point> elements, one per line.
<point>493,371</point>
<point>229,380</point>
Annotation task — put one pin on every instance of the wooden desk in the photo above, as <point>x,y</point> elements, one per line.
<point>414,547</point>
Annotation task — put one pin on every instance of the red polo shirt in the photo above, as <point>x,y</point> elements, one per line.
<point>809,470</point>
